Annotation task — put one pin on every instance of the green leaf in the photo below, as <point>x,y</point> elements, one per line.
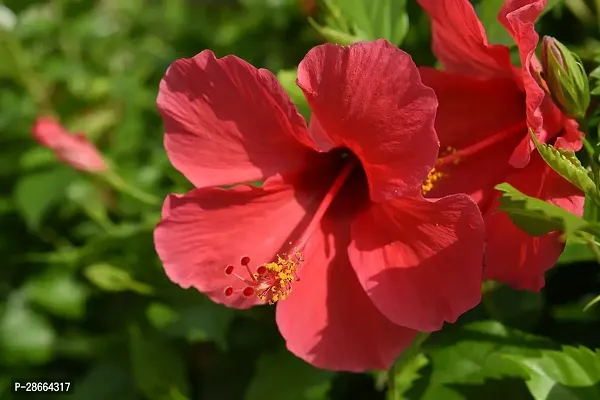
<point>287,78</point>
<point>158,368</point>
<point>537,217</point>
<point>36,193</point>
<point>296,379</point>
<point>488,11</point>
<point>473,355</point>
<point>58,292</point>
<point>570,374</point>
<point>36,158</point>
<point>113,279</point>
<point>26,337</point>
<point>385,19</point>
<point>566,164</point>
<point>160,315</point>
<point>496,33</point>
<point>475,352</point>
<point>405,370</point>
<point>575,252</point>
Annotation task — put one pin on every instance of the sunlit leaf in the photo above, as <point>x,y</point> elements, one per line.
<point>573,373</point>
<point>287,78</point>
<point>474,353</point>
<point>576,252</point>
<point>473,356</point>
<point>567,165</point>
<point>537,217</point>
<point>113,279</point>
<point>487,11</point>
<point>406,369</point>
<point>385,19</point>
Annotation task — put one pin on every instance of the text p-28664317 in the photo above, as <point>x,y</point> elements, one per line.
<point>41,386</point>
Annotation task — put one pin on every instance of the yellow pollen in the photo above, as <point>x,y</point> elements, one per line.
<point>275,283</point>
<point>433,177</point>
<point>449,151</point>
<point>447,155</point>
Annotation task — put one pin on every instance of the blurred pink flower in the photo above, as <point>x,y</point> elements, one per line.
<point>73,149</point>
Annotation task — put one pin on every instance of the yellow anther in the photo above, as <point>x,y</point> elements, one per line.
<point>433,177</point>
<point>275,282</point>
<point>449,155</point>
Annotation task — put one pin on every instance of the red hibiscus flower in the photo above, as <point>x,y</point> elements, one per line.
<point>74,150</point>
<point>486,107</point>
<point>339,219</point>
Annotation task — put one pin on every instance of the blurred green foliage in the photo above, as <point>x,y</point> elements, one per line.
<point>83,297</point>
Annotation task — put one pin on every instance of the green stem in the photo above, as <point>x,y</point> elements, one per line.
<point>597,4</point>
<point>122,186</point>
<point>27,76</point>
<point>580,10</point>
<point>595,170</point>
<point>594,247</point>
<point>100,218</point>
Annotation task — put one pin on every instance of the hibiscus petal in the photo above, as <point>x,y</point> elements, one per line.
<point>513,256</point>
<point>420,261</point>
<point>328,320</point>
<point>460,43</point>
<point>207,229</point>
<point>479,123</point>
<point>571,137</point>
<point>369,98</point>
<point>519,16</point>
<point>227,122</point>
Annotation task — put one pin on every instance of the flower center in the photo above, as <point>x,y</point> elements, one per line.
<point>435,175</point>
<point>273,281</point>
<point>455,156</point>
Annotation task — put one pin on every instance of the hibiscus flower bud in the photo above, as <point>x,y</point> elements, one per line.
<point>72,149</point>
<point>565,78</point>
